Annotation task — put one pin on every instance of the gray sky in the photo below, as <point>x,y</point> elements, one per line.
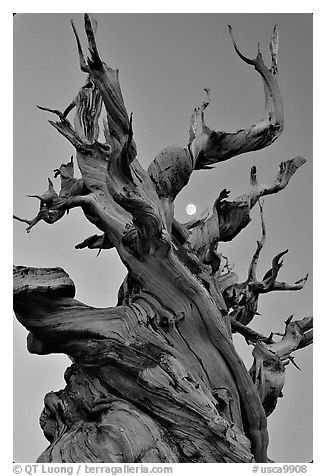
<point>165,61</point>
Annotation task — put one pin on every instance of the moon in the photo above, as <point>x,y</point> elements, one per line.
<point>191,209</point>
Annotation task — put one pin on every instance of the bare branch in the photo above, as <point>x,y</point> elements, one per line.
<point>207,147</point>
<point>61,116</point>
<point>242,298</point>
<point>250,335</point>
<point>60,319</point>
<point>83,64</point>
<point>280,286</point>
<point>47,212</point>
<point>210,147</point>
<point>287,169</point>
<point>246,60</point>
<point>42,215</point>
<point>256,191</point>
<point>270,359</point>
<point>107,81</point>
<point>69,108</point>
<point>95,242</point>
<point>199,113</point>
<point>65,128</point>
<point>230,217</point>
<point>273,47</point>
<point>73,193</point>
<point>271,275</point>
<point>253,265</point>
<point>95,58</point>
<point>269,282</point>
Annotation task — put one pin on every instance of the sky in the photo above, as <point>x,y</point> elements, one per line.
<point>165,61</point>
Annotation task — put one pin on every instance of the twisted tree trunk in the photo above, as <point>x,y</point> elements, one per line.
<point>157,378</point>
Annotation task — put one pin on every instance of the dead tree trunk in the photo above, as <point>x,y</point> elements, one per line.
<point>157,378</point>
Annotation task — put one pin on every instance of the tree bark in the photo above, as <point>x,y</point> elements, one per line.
<point>156,378</point>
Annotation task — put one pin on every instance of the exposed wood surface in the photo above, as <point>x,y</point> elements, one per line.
<point>157,378</point>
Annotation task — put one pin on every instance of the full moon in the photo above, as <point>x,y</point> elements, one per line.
<point>191,209</point>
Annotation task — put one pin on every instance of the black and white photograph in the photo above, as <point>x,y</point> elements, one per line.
<point>163,239</point>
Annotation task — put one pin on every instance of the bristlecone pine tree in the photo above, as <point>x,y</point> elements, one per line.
<point>157,378</point>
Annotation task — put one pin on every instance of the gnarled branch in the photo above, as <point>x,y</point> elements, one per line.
<point>270,360</point>
<point>107,82</point>
<point>243,297</point>
<point>230,217</point>
<point>44,303</point>
<point>47,212</point>
<point>208,146</point>
<point>172,167</point>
